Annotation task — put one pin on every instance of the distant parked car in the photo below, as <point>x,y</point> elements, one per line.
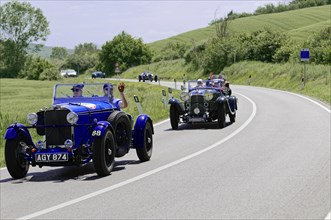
<point>68,73</point>
<point>98,74</point>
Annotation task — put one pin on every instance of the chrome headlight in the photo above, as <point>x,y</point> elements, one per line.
<point>184,96</point>
<point>72,118</point>
<point>40,145</point>
<point>68,143</point>
<point>208,96</point>
<point>32,118</point>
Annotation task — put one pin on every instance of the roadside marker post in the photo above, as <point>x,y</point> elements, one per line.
<point>170,93</point>
<point>136,99</point>
<point>164,98</point>
<point>304,55</point>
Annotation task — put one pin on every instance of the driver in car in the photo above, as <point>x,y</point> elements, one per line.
<point>77,90</point>
<point>199,83</point>
<point>120,103</point>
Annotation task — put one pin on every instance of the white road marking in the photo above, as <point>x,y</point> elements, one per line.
<point>328,217</point>
<point>149,173</point>
<point>161,122</point>
<point>304,97</point>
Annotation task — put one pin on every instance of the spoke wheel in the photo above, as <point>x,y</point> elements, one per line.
<point>221,115</point>
<point>174,117</point>
<point>14,156</point>
<point>145,153</point>
<point>104,154</point>
<point>123,132</point>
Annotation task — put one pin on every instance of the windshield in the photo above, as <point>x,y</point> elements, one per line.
<point>204,84</point>
<point>82,92</point>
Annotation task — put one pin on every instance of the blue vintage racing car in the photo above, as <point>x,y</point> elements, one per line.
<point>205,101</point>
<point>77,130</point>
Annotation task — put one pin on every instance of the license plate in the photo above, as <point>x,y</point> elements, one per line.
<point>54,157</point>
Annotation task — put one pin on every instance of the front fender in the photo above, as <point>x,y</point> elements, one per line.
<point>139,129</point>
<point>14,129</point>
<point>221,100</point>
<point>178,105</point>
<point>100,129</point>
<point>233,103</point>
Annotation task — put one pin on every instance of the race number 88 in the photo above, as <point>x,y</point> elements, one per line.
<point>96,133</point>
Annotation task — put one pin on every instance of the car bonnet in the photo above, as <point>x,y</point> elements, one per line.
<point>81,107</point>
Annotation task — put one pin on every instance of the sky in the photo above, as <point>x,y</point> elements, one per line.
<point>76,22</point>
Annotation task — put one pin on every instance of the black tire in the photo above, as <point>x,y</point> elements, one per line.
<point>123,132</point>
<point>155,78</point>
<point>16,165</point>
<point>104,154</point>
<point>139,78</point>
<point>221,115</point>
<point>145,153</point>
<point>174,117</point>
<point>232,117</point>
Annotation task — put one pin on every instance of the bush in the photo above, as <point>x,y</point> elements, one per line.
<point>50,74</point>
<point>38,68</point>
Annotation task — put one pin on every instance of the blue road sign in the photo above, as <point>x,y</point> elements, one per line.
<point>304,54</point>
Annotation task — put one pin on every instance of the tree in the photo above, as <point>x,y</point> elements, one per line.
<point>59,53</point>
<point>37,68</point>
<point>20,25</point>
<point>172,51</point>
<point>320,47</point>
<point>85,56</point>
<point>126,51</point>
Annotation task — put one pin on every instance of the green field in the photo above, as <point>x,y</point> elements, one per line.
<point>298,24</point>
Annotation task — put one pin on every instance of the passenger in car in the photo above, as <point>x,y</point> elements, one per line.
<point>226,88</point>
<point>217,83</point>
<point>199,83</point>
<point>120,103</point>
<point>77,90</point>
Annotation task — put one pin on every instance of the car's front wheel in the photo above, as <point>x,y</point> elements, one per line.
<point>17,166</point>
<point>221,115</point>
<point>104,154</point>
<point>232,117</point>
<point>145,153</point>
<point>174,117</point>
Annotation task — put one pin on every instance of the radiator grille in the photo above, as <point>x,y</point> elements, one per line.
<point>59,133</point>
<point>197,101</point>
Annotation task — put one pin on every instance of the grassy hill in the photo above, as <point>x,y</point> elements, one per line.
<point>298,24</point>
<point>278,76</point>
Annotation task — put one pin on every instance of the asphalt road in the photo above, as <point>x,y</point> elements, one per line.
<point>272,163</point>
